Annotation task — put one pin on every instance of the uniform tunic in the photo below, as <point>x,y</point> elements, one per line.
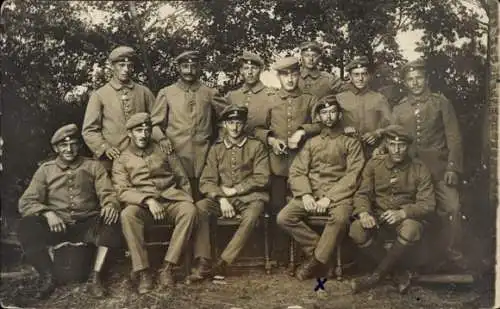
<point>319,83</point>
<point>257,99</point>
<point>290,111</point>
<point>73,191</point>
<point>108,110</point>
<point>191,112</point>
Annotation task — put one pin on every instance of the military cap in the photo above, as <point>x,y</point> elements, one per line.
<point>248,57</point>
<point>411,66</point>
<point>122,53</point>
<point>188,56</point>
<point>327,101</point>
<point>398,133</point>
<point>287,63</point>
<point>64,133</point>
<point>360,62</point>
<point>311,46</point>
<point>139,119</point>
<point>234,112</point>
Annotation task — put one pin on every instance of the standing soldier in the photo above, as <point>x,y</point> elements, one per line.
<point>396,193</point>
<point>190,109</point>
<point>70,198</point>
<point>234,182</point>
<point>430,118</point>
<point>323,179</point>
<point>312,80</point>
<point>366,112</point>
<point>253,94</point>
<point>111,106</point>
<point>153,187</point>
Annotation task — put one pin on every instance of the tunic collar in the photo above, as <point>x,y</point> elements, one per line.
<point>304,72</point>
<point>331,132</point>
<point>424,97</point>
<point>187,87</point>
<point>117,85</point>
<point>358,91</point>
<point>255,88</point>
<point>402,165</point>
<point>285,94</point>
<point>73,165</point>
<point>141,152</point>
<point>230,145</point>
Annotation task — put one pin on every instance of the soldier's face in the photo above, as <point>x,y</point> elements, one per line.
<point>67,150</point>
<point>189,71</point>
<point>123,70</point>
<point>289,79</point>
<point>310,59</point>
<point>416,82</point>
<point>330,116</point>
<point>360,77</point>
<point>234,127</point>
<point>250,73</point>
<point>398,150</point>
<point>140,136</point>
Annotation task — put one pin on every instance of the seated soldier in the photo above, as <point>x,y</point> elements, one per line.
<point>234,181</point>
<point>323,178</point>
<point>153,186</point>
<point>71,199</point>
<point>396,193</point>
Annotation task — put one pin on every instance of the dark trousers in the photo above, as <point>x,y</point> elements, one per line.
<point>278,199</point>
<point>195,188</point>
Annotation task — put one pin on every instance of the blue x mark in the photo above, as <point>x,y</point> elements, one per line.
<point>320,285</point>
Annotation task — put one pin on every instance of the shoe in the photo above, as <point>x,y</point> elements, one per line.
<point>166,275</point>
<point>403,281</point>
<point>308,269</point>
<point>365,283</point>
<point>220,268</point>
<point>46,287</point>
<point>457,259</point>
<point>201,272</point>
<point>94,285</point>
<point>145,284</point>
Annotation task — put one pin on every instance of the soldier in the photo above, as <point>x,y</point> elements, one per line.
<point>154,187</point>
<point>253,94</point>
<point>366,112</point>
<point>112,105</point>
<point>431,120</point>
<point>234,182</point>
<point>312,80</point>
<point>323,179</point>
<point>70,198</point>
<point>190,109</point>
<point>396,194</point>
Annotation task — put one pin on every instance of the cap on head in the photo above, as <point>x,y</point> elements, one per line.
<point>139,119</point>
<point>251,58</point>
<point>64,133</point>
<point>286,64</point>
<point>397,133</point>
<point>356,63</point>
<point>328,101</point>
<point>188,56</point>
<point>122,53</point>
<point>311,46</point>
<point>416,65</point>
<point>234,112</point>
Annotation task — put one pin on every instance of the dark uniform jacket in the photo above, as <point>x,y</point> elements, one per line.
<point>244,166</point>
<point>290,111</point>
<point>191,112</point>
<point>139,174</point>
<point>386,185</point>
<point>319,83</point>
<point>74,192</point>
<point>108,110</point>
<point>329,165</point>
<point>431,120</point>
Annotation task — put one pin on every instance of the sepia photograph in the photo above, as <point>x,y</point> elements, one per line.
<point>313,154</point>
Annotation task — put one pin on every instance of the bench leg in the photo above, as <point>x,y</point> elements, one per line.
<point>291,265</point>
<point>266,245</point>
<point>338,267</point>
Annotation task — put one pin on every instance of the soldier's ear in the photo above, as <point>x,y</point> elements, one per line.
<point>56,150</point>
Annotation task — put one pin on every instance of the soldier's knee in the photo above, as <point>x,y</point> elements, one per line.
<point>340,215</point>
<point>282,219</point>
<point>255,209</point>
<point>410,230</point>
<point>188,211</point>
<point>203,208</point>
<point>358,233</point>
<point>130,212</point>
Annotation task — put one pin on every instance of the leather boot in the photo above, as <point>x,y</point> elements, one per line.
<point>220,268</point>
<point>43,265</point>
<point>94,285</point>
<point>403,281</point>
<point>201,272</point>
<point>308,268</point>
<point>145,284</point>
<point>166,275</point>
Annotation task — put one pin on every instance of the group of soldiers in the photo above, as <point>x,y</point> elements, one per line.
<point>316,146</point>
